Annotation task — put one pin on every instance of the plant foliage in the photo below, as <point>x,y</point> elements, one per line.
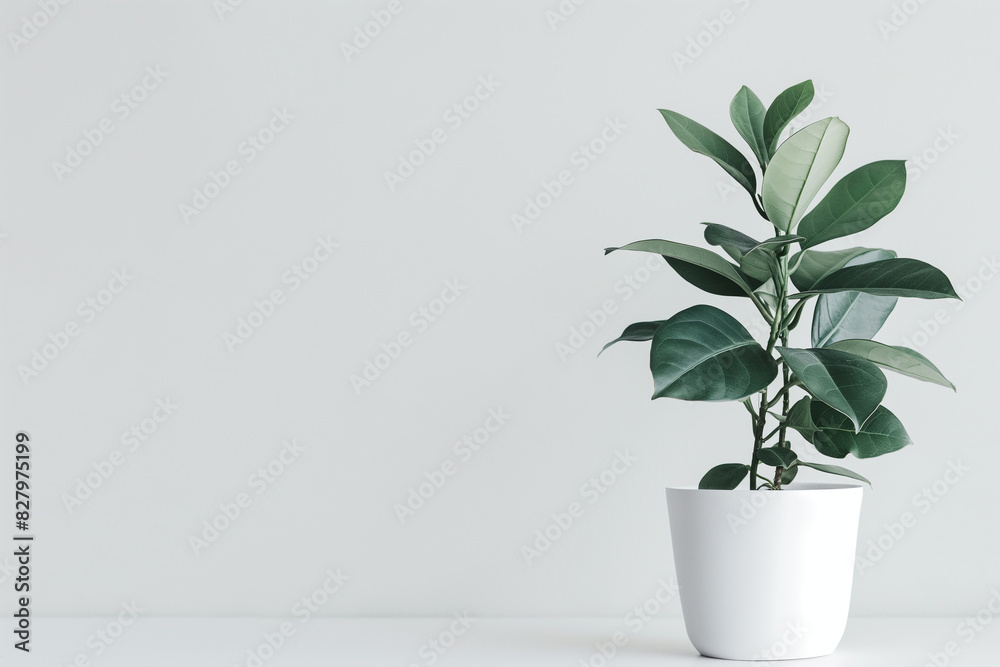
<point>704,354</point>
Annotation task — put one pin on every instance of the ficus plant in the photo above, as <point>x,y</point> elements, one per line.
<point>704,354</point>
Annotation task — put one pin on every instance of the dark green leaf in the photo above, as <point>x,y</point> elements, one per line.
<point>881,434</point>
<point>799,169</point>
<point>851,385</point>
<point>703,354</point>
<point>811,266</point>
<point>760,264</point>
<point>783,109</point>
<point>702,140</point>
<point>851,314</point>
<point>900,359</point>
<point>761,261</point>
<point>887,277</point>
<point>639,331</point>
<point>693,255</point>
<point>835,470</point>
<point>856,202</point>
<point>726,476</point>
<point>788,475</point>
<point>747,113</point>
<point>710,281</point>
<point>777,456</point>
<point>734,242</point>
<point>800,418</point>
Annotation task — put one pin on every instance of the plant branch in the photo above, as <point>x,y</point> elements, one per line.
<point>758,439</point>
<point>783,392</point>
<point>767,482</point>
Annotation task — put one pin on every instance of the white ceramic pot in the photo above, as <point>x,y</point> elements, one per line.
<point>765,575</point>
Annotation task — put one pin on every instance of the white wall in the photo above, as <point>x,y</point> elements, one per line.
<point>495,346</point>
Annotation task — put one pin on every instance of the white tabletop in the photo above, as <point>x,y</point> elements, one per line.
<point>225,642</point>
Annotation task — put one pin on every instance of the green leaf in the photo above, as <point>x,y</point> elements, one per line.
<point>734,242</point>
<point>849,384</point>
<point>699,258</point>
<point>887,277</point>
<point>761,261</point>
<point>747,113</point>
<point>776,242</point>
<point>703,354</point>
<point>835,470</point>
<point>788,474</point>
<point>726,476</point>
<point>639,331</point>
<point>702,140</point>
<point>833,434</point>
<point>900,359</point>
<point>768,294</point>
<point>814,265</point>
<point>851,314</point>
<point>856,202</point>
<point>777,456</point>
<point>760,264</point>
<point>800,418</point>
<point>710,281</point>
<point>799,169</point>
<point>783,109</point>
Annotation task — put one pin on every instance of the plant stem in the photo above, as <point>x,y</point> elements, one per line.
<point>783,392</point>
<point>788,384</point>
<point>771,434</point>
<point>758,439</point>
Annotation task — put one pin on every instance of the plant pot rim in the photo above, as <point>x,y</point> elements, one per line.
<point>804,486</point>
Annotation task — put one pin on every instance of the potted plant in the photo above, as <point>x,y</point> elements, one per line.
<point>766,571</point>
